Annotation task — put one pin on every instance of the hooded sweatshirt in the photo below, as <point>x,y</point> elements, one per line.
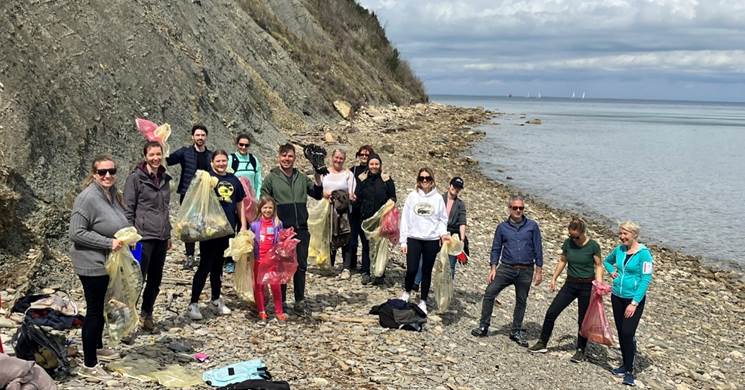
<point>424,216</point>
<point>633,277</point>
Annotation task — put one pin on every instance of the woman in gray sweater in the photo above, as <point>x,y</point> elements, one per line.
<point>97,214</point>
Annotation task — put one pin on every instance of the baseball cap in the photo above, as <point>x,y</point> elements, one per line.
<point>457,182</point>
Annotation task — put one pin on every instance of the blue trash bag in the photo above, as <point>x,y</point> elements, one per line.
<point>236,372</point>
<point>137,251</point>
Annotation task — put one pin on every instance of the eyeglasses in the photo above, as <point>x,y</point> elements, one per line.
<point>243,145</point>
<point>103,172</point>
<point>422,179</point>
<point>516,208</point>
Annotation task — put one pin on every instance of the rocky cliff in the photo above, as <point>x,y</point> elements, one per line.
<point>75,74</point>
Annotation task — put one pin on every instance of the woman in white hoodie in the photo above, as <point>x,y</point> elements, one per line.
<point>423,227</point>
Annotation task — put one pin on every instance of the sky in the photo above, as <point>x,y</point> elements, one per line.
<point>645,49</point>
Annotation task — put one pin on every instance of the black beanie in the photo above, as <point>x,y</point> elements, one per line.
<point>374,156</point>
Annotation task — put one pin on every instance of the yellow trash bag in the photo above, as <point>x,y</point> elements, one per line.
<point>148,370</point>
<point>241,249</point>
<point>162,133</point>
<point>201,217</point>
<point>442,280</point>
<point>378,244</point>
<point>125,285</point>
<point>319,225</point>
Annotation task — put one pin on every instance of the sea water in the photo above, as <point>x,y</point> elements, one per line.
<point>676,168</point>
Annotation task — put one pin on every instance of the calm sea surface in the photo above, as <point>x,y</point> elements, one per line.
<point>677,168</point>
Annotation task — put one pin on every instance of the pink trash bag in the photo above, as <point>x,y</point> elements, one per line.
<point>281,265</point>
<point>249,202</point>
<point>595,326</point>
<point>147,129</point>
<point>389,225</point>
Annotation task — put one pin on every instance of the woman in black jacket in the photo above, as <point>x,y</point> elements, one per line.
<point>373,191</point>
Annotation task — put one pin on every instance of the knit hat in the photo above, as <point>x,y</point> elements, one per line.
<point>374,156</point>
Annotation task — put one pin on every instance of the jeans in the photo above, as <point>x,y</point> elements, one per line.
<point>426,251</point>
<point>626,328</point>
<point>94,289</point>
<point>566,295</point>
<point>298,280</point>
<point>508,275</point>
<point>151,265</point>
<point>453,260</point>
<point>210,263</point>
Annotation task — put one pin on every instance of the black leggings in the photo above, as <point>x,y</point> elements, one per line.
<point>626,328</point>
<point>94,289</point>
<point>151,265</point>
<point>568,293</point>
<point>210,263</point>
<point>427,252</point>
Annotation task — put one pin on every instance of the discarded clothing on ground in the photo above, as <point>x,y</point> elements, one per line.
<point>237,372</point>
<point>257,384</point>
<point>398,314</point>
<point>19,374</point>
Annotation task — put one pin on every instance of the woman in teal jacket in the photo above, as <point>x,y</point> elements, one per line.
<point>630,266</point>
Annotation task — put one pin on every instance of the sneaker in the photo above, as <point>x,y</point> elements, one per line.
<point>377,281</point>
<point>422,305</point>
<point>96,372</point>
<point>148,324</point>
<point>366,279</point>
<point>578,356</point>
<point>194,312</point>
<point>519,337</point>
<point>628,379</point>
<point>415,287</point>
<point>263,316</point>
<point>539,347</point>
<point>107,354</point>
<point>230,267</point>
<point>345,274</point>
<point>220,308</point>
<point>281,316</point>
<point>481,331</point>
<point>300,308</point>
<point>620,371</point>
<point>189,262</point>
<point>405,296</point>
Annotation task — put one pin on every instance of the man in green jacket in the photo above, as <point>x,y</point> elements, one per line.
<point>290,189</point>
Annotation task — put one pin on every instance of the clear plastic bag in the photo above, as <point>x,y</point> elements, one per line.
<point>125,285</point>
<point>241,248</point>
<point>595,327</point>
<point>201,217</point>
<point>442,280</point>
<point>249,202</point>
<point>372,227</point>
<point>319,225</point>
<point>281,265</point>
<point>148,370</point>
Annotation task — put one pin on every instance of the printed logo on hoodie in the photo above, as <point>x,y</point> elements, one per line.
<point>424,209</point>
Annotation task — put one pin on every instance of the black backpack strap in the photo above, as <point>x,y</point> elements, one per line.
<point>235,162</point>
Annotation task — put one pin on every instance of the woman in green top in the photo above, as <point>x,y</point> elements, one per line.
<point>583,257</point>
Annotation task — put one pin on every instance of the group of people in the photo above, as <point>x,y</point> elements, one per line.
<point>428,219</point>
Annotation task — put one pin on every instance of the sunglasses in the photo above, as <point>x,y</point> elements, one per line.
<point>364,154</point>
<point>574,237</point>
<point>518,208</point>
<point>243,145</point>
<point>103,172</point>
<point>422,179</point>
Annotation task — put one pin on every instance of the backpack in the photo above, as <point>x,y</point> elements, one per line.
<point>235,162</point>
<point>33,343</point>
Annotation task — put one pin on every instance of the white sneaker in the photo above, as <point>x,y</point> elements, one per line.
<point>423,305</point>
<point>194,312</point>
<point>405,296</point>
<point>345,275</point>
<point>220,307</point>
<point>96,373</point>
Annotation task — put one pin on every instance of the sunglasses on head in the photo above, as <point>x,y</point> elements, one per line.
<point>518,208</point>
<point>424,178</point>
<point>243,145</point>
<point>103,172</point>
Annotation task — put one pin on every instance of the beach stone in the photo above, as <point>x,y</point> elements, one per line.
<point>343,108</point>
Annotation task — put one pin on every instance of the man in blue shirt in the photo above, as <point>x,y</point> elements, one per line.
<point>517,246</point>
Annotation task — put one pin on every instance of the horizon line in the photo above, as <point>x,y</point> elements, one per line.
<point>588,98</point>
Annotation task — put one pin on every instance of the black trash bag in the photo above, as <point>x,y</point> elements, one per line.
<point>257,384</point>
<point>31,342</point>
<point>317,157</point>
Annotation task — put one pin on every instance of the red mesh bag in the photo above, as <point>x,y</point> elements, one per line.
<point>389,225</point>
<point>249,202</point>
<point>595,327</point>
<point>281,265</point>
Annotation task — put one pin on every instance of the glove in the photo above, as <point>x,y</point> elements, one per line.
<point>462,258</point>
